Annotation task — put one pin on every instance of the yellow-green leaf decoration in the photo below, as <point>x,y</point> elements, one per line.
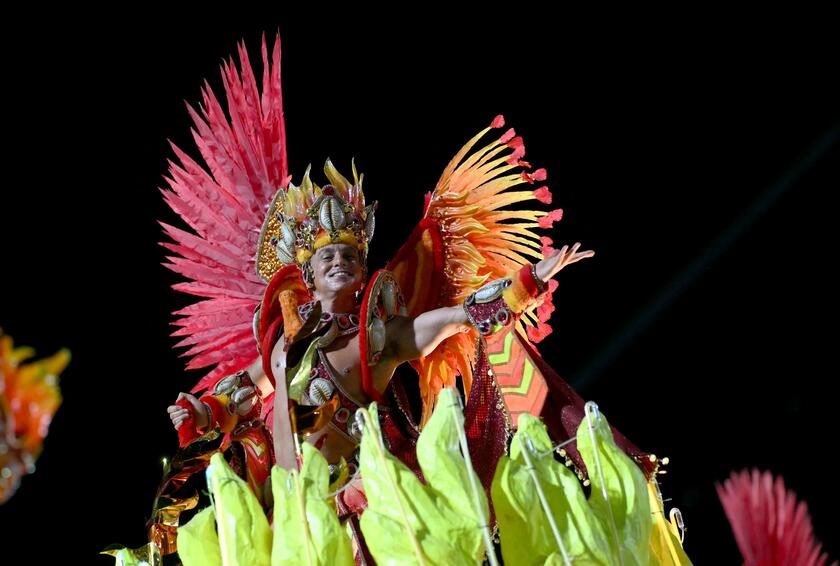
<point>147,555</point>
<point>244,533</point>
<point>198,542</point>
<point>245,537</point>
<point>306,528</point>
<point>544,517</point>
<point>440,453</point>
<point>665,545</point>
<point>407,522</point>
<point>619,496</point>
<point>525,528</point>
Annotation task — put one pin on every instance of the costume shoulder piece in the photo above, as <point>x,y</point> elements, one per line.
<point>383,300</point>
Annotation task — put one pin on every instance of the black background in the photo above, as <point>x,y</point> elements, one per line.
<point>657,139</point>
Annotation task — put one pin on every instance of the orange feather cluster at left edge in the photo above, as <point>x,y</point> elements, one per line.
<point>29,398</point>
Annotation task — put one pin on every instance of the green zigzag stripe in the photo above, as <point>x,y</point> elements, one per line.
<point>504,356</point>
<point>525,384</point>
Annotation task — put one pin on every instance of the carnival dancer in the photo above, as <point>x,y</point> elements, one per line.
<point>299,337</point>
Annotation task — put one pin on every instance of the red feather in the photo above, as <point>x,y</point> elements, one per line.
<point>550,218</point>
<point>770,526</point>
<point>543,195</point>
<point>223,201</point>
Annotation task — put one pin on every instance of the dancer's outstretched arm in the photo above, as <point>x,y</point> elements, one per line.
<point>409,339</point>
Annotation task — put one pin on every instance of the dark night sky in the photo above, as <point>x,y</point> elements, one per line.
<point>657,140</point>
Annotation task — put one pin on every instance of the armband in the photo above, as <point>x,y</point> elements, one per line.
<point>497,303</point>
<point>524,290</point>
<point>486,309</point>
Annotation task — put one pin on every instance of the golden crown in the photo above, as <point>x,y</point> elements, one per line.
<point>301,219</point>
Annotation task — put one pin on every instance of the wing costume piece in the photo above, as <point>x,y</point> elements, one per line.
<point>245,153</point>
<point>471,234</point>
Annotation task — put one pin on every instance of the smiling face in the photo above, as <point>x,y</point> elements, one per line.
<point>336,268</point>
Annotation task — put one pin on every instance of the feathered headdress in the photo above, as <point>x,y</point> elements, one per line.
<point>302,219</point>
